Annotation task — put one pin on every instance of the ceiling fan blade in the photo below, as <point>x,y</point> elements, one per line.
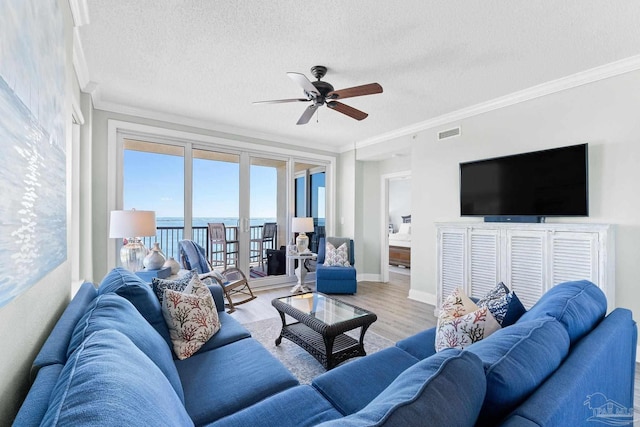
<point>345,109</point>
<point>350,92</point>
<point>306,116</point>
<point>303,81</point>
<point>280,101</point>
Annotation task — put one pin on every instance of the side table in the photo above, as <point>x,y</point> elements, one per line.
<point>301,271</point>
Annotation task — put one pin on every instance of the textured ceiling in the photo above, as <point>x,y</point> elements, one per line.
<point>208,60</point>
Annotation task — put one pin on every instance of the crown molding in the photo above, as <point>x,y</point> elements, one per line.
<point>230,132</point>
<point>79,12</point>
<point>582,78</point>
<point>80,62</point>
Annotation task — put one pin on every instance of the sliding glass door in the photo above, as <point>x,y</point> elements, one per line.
<point>311,199</point>
<point>216,206</point>
<point>153,177</point>
<point>196,187</point>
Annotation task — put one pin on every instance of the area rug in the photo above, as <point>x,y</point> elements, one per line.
<point>301,364</point>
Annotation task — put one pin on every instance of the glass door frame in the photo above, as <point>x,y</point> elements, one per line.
<point>118,130</point>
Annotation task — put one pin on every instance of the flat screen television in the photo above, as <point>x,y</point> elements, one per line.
<point>538,184</point>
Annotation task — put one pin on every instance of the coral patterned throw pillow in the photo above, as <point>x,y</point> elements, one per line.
<point>461,322</point>
<point>191,316</point>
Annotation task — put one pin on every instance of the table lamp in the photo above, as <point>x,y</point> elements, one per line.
<point>302,226</point>
<point>131,225</point>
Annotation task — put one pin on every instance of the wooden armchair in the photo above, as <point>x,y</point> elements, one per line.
<point>232,280</point>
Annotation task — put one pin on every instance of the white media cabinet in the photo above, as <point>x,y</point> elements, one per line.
<point>528,258</point>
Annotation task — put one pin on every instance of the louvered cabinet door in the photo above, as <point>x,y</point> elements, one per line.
<point>525,265</point>
<point>451,263</point>
<point>484,261</point>
<point>574,256</point>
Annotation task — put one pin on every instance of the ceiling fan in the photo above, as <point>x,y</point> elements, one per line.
<point>321,93</point>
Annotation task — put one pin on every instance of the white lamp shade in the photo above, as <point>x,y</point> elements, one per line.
<point>302,225</point>
<point>132,223</point>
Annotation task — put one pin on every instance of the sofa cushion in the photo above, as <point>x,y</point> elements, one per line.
<point>368,375</point>
<point>110,311</point>
<point>300,406</point>
<point>222,381</point>
<point>579,306</point>
<point>420,345</point>
<point>517,359</point>
<point>421,393</point>
<point>129,286</point>
<point>604,362</point>
<point>230,331</point>
<point>108,381</point>
<point>191,316</point>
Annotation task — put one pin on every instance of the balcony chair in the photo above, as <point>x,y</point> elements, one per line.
<point>232,280</point>
<point>266,241</point>
<point>333,279</point>
<point>221,245</point>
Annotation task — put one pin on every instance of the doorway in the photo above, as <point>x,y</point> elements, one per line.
<point>395,234</point>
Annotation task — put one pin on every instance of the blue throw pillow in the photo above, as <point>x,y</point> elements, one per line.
<point>110,311</point>
<point>419,395</point>
<point>517,360</point>
<point>126,284</point>
<point>504,305</point>
<point>180,284</point>
<point>579,306</point>
<point>108,381</point>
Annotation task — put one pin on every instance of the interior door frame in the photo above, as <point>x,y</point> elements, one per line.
<point>384,229</point>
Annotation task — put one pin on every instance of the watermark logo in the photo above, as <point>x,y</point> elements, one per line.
<point>607,411</point>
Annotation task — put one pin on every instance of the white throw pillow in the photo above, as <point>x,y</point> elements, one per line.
<point>405,228</point>
<point>336,256</point>
<point>191,316</point>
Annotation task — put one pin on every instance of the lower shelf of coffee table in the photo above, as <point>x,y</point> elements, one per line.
<point>344,346</point>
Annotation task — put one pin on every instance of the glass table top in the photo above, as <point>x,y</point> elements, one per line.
<point>323,307</point>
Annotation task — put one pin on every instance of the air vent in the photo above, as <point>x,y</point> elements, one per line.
<point>450,133</point>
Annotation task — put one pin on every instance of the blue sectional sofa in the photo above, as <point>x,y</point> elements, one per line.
<point>108,361</point>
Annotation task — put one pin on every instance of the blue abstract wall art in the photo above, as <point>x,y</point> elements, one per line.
<point>33,205</point>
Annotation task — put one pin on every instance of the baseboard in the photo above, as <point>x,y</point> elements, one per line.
<point>367,277</point>
<point>422,296</point>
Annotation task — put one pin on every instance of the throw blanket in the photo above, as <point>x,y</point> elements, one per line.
<point>194,256</point>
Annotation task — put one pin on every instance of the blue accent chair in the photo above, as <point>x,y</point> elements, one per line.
<point>333,279</point>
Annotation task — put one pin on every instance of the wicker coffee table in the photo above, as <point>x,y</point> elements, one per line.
<point>322,323</point>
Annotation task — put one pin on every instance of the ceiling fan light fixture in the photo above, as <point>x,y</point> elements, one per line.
<point>321,93</point>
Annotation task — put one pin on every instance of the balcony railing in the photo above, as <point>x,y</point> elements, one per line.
<point>168,238</point>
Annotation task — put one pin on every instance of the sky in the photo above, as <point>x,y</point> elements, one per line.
<point>156,182</point>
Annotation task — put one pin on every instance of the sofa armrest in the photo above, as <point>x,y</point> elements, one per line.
<point>603,362</point>
<point>218,296</point>
<point>55,347</point>
<point>37,401</point>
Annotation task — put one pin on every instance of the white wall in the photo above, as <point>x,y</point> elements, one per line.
<point>603,114</point>
<point>26,321</point>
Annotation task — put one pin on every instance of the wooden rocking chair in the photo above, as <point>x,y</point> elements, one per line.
<point>232,280</point>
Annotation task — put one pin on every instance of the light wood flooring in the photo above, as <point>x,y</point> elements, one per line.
<point>398,316</point>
